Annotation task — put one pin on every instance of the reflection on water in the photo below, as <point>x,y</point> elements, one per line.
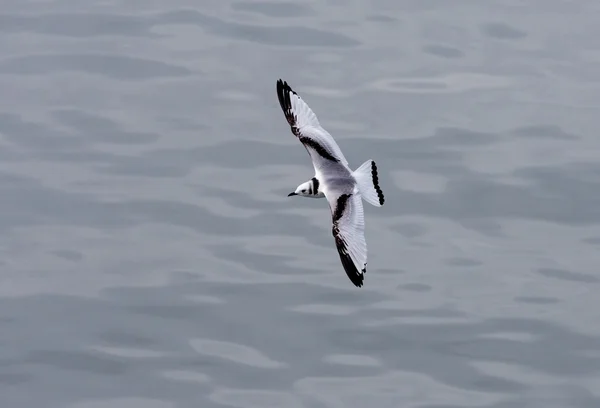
<point>151,258</point>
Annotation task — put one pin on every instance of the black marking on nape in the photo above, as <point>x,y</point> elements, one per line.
<point>315,184</point>
<point>283,93</point>
<point>375,177</point>
<point>353,274</point>
<point>321,151</point>
<point>340,207</point>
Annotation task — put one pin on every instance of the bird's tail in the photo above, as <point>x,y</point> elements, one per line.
<point>368,183</point>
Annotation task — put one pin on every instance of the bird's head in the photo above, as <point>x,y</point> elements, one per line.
<point>304,189</point>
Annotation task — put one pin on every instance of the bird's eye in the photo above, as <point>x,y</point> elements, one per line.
<point>304,191</point>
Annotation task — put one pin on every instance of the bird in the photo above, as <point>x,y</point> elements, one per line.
<point>343,188</point>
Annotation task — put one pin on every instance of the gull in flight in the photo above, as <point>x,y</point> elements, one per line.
<point>343,188</point>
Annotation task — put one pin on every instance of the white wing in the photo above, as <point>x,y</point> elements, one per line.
<point>320,145</point>
<point>349,234</point>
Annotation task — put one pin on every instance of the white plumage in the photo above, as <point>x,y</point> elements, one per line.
<point>333,179</point>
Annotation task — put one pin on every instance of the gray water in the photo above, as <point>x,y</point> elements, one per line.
<point>150,256</point>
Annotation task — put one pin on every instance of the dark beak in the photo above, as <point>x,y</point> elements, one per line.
<point>292,194</point>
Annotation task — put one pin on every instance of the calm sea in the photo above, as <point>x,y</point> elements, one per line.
<point>150,256</point>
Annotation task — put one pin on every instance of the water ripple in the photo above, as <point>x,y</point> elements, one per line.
<point>234,352</point>
<point>254,398</point>
<point>286,35</point>
<point>109,65</point>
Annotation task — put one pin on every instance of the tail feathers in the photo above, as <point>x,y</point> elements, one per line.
<point>368,183</point>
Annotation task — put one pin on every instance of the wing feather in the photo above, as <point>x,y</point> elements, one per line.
<point>321,146</point>
<point>349,233</point>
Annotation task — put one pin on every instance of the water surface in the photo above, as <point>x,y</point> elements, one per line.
<point>150,255</point>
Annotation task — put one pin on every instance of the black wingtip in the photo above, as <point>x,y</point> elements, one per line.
<point>283,94</point>
<point>355,276</point>
<point>284,86</point>
<point>375,177</point>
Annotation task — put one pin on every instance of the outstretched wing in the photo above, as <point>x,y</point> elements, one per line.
<point>349,234</point>
<point>320,145</point>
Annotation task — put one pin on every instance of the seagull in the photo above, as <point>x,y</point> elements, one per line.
<point>343,188</point>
